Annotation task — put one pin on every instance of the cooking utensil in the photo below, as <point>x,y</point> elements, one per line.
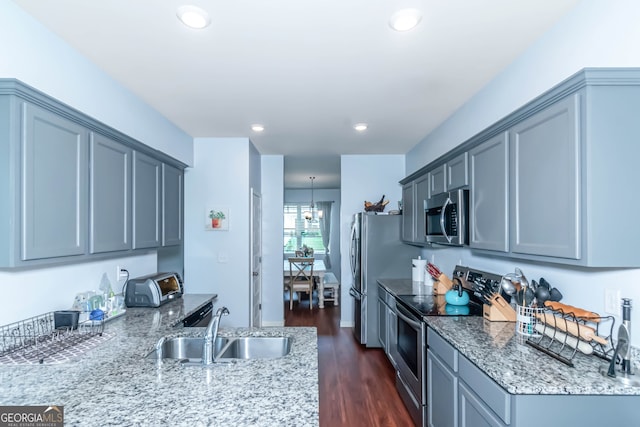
<point>542,294</point>
<point>545,284</point>
<point>555,295</point>
<point>569,309</point>
<point>456,295</point>
<point>583,331</point>
<point>508,286</point>
<point>525,296</point>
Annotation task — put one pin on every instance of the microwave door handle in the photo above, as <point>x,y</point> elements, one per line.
<point>442,214</point>
<point>411,322</point>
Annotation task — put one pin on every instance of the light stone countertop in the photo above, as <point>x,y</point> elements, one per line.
<point>501,353</point>
<point>114,384</point>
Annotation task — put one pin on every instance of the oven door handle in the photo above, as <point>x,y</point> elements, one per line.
<point>415,324</point>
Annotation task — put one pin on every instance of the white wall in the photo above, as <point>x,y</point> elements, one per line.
<point>272,229</point>
<point>363,177</point>
<point>41,59</point>
<point>219,261</point>
<point>595,33</point>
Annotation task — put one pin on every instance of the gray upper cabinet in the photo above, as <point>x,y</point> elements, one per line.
<point>414,194</point>
<point>172,185</point>
<point>146,201</point>
<point>545,182</point>
<point>72,185</point>
<point>489,210</point>
<point>438,180</point>
<point>550,180</point>
<point>54,185</point>
<point>457,172</point>
<point>110,204</point>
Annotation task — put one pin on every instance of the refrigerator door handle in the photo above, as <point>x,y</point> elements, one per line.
<point>352,250</point>
<point>355,294</point>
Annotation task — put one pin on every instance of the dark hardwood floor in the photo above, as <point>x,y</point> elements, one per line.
<point>356,385</point>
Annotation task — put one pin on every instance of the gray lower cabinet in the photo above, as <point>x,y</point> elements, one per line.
<point>53,186</point>
<point>545,182</point>
<point>146,201</point>
<point>172,198</point>
<point>473,411</point>
<point>489,195</point>
<point>387,323</point>
<point>442,382</point>
<point>110,190</point>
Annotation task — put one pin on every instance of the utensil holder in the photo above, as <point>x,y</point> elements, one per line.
<point>526,319</point>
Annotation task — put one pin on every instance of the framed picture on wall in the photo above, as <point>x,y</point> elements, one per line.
<point>217,219</point>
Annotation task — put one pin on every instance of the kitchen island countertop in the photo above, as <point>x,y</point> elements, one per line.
<point>497,350</point>
<point>114,384</point>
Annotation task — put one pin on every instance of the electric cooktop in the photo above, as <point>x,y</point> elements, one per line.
<point>478,284</point>
<point>435,305</point>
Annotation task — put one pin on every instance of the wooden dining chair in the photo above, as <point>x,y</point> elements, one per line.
<point>300,279</point>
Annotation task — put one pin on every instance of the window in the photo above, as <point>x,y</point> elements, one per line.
<point>298,231</point>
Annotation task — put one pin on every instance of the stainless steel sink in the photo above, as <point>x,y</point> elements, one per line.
<point>185,348</point>
<point>189,349</point>
<point>255,348</point>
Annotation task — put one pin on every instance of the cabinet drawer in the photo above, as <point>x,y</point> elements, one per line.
<point>442,349</point>
<point>491,393</point>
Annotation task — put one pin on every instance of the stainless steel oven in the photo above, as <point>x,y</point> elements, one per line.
<point>410,351</point>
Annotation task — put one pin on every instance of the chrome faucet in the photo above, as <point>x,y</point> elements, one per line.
<point>211,334</point>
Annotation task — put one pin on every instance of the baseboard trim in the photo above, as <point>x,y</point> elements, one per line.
<point>272,324</point>
<point>346,324</point>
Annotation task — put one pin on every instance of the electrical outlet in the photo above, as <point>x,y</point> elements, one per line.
<point>612,302</point>
<point>120,274</point>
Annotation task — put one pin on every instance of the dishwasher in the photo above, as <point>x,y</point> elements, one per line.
<point>199,318</point>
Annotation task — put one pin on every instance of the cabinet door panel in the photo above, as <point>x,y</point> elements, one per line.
<point>422,193</point>
<point>171,205</point>
<point>110,204</point>
<point>442,393</point>
<point>489,210</point>
<point>458,172</point>
<point>437,181</point>
<point>146,201</point>
<point>408,213</point>
<point>472,412</point>
<point>54,185</point>
<point>545,180</point>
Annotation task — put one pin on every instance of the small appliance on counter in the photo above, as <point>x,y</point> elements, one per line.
<point>153,290</point>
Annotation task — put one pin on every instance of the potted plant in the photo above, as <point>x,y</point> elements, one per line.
<point>216,217</point>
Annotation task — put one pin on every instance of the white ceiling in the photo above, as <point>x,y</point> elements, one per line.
<point>306,69</point>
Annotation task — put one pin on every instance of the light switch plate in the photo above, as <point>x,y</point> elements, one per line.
<point>612,302</point>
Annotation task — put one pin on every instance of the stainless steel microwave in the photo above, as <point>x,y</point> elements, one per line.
<point>446,218</point>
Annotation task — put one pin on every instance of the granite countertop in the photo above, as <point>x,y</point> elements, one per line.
<point>501,353</point>
<point>114,384</point>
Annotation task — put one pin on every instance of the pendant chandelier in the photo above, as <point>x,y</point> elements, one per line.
<point>312,214</point>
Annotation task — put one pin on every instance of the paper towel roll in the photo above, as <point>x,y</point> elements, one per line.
<point>418,269</point>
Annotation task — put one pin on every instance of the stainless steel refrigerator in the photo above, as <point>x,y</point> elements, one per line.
<point>375,252</point>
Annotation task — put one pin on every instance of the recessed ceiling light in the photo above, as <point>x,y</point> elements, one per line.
<point>257,128</point>
<point>193,17</point>
<point>405,19</point>
<point>360,127</point>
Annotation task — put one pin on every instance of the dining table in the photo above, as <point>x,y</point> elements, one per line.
<point>319,269</point>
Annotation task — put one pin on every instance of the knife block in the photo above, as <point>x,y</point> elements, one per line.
<point>442,285</point>
<point>499,310</point>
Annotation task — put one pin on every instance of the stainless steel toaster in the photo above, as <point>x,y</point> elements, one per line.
<point>153,290</point>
